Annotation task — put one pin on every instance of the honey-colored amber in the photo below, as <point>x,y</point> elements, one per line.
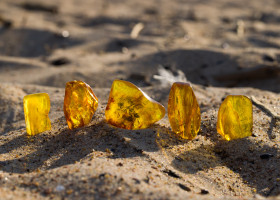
<point>130,108</point>
<point>36,110</point>
<point>183,111</point>
<point>80,103</point>
<point>235,117</point>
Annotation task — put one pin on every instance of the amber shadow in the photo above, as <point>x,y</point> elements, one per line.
<point>257,165</point>
<point>69,146</point>
<point>150,139</point>
<point>64,147</point>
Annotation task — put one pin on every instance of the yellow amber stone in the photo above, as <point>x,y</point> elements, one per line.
<point>183,111</point>
<point>235,117</point>
<point>36,110</point>
<point>130,108</point>
<point>80,103</point>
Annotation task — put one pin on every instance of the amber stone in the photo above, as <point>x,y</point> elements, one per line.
<point>183,111</point>
<point>130,108</point>
<point>235,117</point>
<point>36,110</point>
<point>80,103</point>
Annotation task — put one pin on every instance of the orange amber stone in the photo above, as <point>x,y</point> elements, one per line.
<point>235,117</point>
<point>36,111</point>
<point>80,103</point>
<point>130,108</point>
<point>183,111</point>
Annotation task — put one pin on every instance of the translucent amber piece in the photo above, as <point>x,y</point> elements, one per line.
<point>80,103</point>
<point>183,111</point>
<point>130,108</point>
<point>235,117</point>
<point>36,110</point>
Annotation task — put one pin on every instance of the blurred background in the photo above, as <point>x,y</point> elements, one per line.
<point>213,42</point>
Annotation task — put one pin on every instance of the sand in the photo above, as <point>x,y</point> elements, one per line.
<point>222,47</point>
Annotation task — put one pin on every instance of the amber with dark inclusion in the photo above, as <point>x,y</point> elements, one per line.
<point>130,108</point>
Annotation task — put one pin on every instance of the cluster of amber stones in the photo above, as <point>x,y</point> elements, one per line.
<point>130,108</point>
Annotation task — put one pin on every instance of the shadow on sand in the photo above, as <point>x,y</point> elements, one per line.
<point>24,42</point>
<point>209,68</point>
<point>256,164</point>
<point>68,146</point>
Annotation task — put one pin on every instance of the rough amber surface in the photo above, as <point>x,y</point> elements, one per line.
<point>235,117</point>
<point>36,110</point>
<point>183,111</point>
<point>80,103</point>
<point>130,108</point>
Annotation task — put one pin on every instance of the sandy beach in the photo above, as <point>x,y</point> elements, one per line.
<point>222,47</point>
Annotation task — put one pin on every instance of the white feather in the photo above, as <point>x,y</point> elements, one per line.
<point>166,77</point>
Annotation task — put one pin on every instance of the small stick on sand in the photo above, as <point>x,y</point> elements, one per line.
<point>265,108</point>
<point>136,30</point>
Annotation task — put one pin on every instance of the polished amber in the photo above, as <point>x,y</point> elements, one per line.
<point>183,111</point>
<point>130,108</point>
<point>80,103</point>
<point>235,117</point>
<point>36,110</point>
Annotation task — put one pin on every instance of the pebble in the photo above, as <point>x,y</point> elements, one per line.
<point>183,187</point>
<point>203,191</point>
<point>59,188</point>
<point>266,156</point>
<point>65,34</point>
